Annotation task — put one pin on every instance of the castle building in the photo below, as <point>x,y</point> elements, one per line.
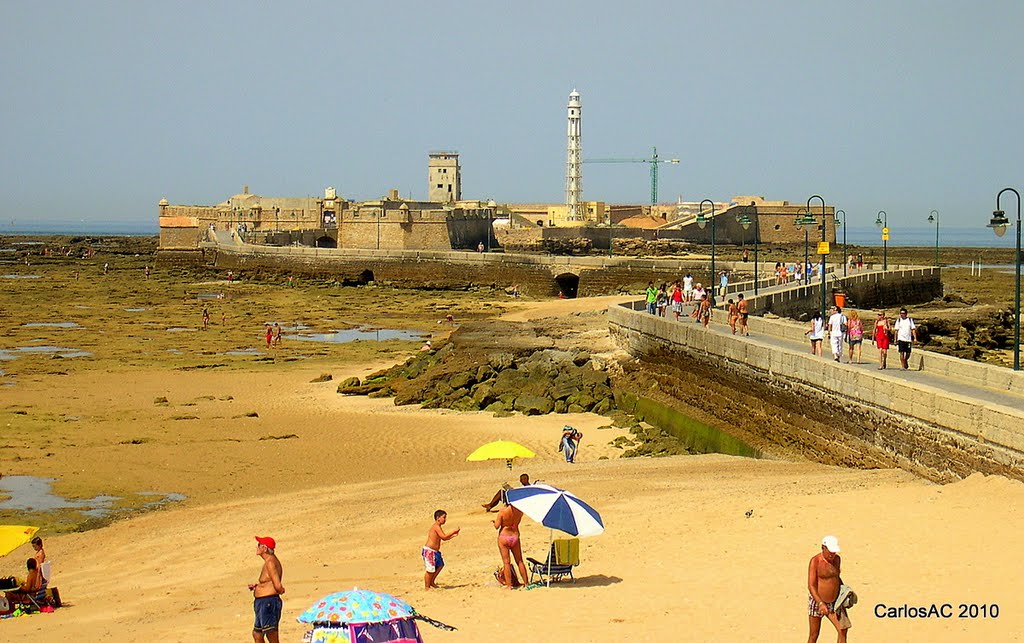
<point>444,179</point>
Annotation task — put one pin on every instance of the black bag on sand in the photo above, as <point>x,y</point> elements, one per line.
<point>8,582</point>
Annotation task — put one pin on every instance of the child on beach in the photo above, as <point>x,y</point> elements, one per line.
<point>431,552</point>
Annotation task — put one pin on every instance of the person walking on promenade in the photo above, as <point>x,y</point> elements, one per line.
<point>704,312</point>
<point>652,298</point>
<point>881,337</point>
<point>734,315</point>
<point>677,300</point>
<point>906,334</point>
<point>662,300</point>
<point>836,332</point>
<point>723,284</point>
<point>743,308</point>
<point>816,333</point>
<point>854,335</point>
<point>823,587</point>
<point>688,288</point>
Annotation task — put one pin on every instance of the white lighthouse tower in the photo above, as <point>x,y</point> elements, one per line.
<point>574,162</point>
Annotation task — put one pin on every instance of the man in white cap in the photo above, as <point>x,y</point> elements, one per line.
<point>823,583</point>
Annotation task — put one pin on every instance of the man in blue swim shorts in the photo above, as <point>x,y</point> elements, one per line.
<point>267,592</point>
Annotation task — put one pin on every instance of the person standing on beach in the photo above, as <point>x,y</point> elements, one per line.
<point>431,552</point>
<point>509,546</point>
<point>277,334</point>
<point>206,317</point>
<point>267,592</point>
<point>823,581</point>
<point>269,335</point>
<point>906,334</point>
<point>569,443</point>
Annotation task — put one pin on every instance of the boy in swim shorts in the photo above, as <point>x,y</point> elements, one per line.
<point>433,563</point>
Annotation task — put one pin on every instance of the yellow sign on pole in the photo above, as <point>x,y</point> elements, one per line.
<point>885,234</point>
<point>823,247</point>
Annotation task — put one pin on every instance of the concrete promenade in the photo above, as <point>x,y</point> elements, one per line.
<point>944,417</point>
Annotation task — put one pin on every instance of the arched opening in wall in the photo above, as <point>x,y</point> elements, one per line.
<point>568,285</point>
<point>326,242</point>
<point>361,279</point>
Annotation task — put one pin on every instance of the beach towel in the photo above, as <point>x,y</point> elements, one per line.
<point>567,551</point>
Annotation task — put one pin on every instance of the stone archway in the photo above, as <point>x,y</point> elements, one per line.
<point>326,242</point>
<point>568,285</point>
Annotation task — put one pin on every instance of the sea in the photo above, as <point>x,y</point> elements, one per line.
<point>870,236</point>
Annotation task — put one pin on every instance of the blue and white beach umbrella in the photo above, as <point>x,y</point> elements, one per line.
<point>556,509</point>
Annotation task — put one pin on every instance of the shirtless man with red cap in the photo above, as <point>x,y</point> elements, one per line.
<point>267,592</point>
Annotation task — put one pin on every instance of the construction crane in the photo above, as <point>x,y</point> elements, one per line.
<point>654,161</point>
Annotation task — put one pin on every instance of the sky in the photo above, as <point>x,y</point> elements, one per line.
<point>909,106</point>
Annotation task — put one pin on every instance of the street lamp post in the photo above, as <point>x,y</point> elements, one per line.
<point>999,224</point>
<point>846,258</point>
<point>745,221</point>
<point>883,221</point>
<point>701,222</point>
<point>824,238</point>
<point>804,221</point>
<point>934,218</point>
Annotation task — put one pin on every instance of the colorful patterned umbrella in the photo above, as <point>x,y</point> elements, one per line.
<point>356,606</point>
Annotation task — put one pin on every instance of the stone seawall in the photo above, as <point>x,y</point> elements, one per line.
<point>875,289</point>
<point>538,275</point>
<point>925,430</point>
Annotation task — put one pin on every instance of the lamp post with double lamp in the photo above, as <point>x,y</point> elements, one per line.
<point>822,249</point>
<point>882,221</point>
<point>804,221</point>
<point>745,221</point>
<point>701,222</point>
<point>933,217</point>
<point>999,223</point>
<point>846,258</point>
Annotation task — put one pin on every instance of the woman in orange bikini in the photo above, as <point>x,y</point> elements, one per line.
<point>507,524</point>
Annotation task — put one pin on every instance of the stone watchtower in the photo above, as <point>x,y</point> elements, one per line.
<point>444,178</point>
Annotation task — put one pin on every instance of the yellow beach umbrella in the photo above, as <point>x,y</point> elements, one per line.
<point>14,536</point>
<point>501,450</point>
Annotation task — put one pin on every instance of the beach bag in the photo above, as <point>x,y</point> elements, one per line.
<point>8,582</point>
<point>844,327</point>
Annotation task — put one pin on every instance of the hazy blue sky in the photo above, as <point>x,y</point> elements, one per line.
<point>897,105</point>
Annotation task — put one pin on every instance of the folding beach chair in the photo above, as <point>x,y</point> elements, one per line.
<point>562,557</point>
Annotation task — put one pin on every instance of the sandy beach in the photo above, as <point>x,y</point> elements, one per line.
<point>348,485</point>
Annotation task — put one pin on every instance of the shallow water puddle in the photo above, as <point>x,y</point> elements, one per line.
<point>30,493</point>
<point>54,350</point>
<point>51,325</point>
<point>364,334</point>
<point>22,276</point>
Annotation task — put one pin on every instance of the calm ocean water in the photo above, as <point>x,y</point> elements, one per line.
<point>978,237</point>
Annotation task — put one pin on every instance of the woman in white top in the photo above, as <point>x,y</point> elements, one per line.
<point>816,333</point>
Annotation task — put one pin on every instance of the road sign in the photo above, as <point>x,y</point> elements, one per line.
<point>885,234</point>
<point>823,247</point>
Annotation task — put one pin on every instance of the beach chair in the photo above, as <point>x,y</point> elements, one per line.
<point>562,557</point>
